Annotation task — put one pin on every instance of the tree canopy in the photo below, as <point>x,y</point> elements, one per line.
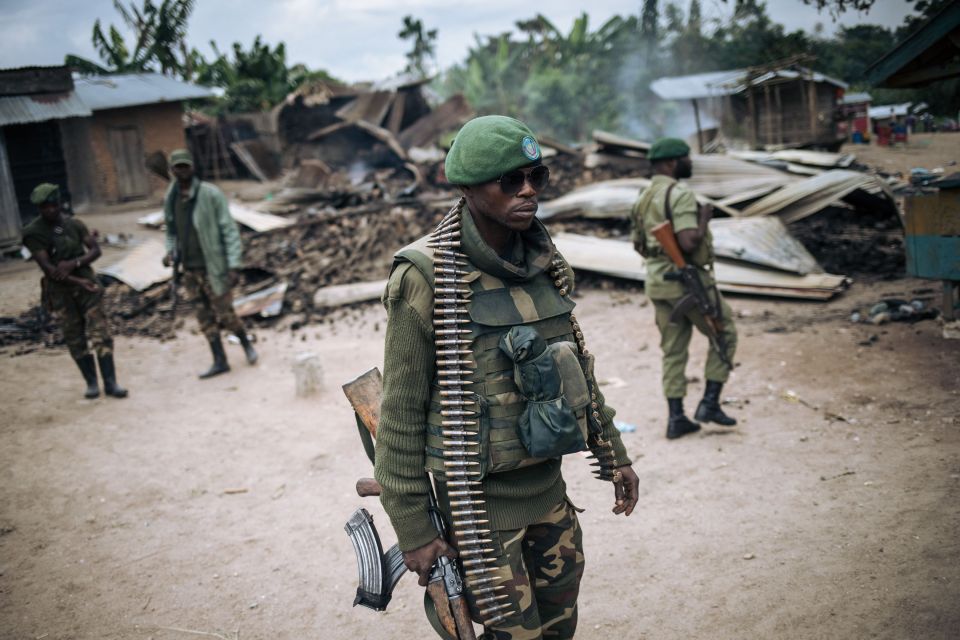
<point>568,83</point>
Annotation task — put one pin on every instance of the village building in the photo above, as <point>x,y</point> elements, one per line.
<point>760,107</point>
<point>854,120</point>
<point>90,135</point>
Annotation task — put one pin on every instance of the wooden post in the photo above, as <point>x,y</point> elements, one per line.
<point>696,116</point>
<point>779,115</point>
<point>812,99</point>
<point>768,133</point>
<point>752,106</point>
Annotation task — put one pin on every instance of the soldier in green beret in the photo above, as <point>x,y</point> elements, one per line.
<point>65,249</point>
<point>203,236</point>
<point>667,199</point>
<point>486,384</point>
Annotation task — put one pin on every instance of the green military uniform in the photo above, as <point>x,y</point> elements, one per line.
<point>200,228</point>
<point>648,212</point>
<point>534,534</point>
<point>79,312</point>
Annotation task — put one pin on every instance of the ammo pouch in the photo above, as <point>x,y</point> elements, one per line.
<point>551,380</point>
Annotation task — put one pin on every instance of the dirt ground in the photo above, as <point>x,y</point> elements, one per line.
<point>216,508</point>
<point>925,150</point>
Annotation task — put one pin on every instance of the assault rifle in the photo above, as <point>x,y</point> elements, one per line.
<point>697,296</point>
<point>445,599</point>
<point>175,281</point>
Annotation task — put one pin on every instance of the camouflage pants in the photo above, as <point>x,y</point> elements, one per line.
<point>81,317</point>
<point>213,312</point>
<point>541,565</point>
<point>675,343</point>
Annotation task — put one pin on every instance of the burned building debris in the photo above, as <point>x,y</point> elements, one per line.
<point>352,174</point>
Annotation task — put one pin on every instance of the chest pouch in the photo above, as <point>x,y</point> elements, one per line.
<point>550,379</point>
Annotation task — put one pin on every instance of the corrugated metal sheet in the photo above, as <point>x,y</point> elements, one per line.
<point>618,259</point>
<point>722,83</point>
<point>39,108</point>
<point>801,199</point>
<point>130,90</point>
<point>700,85</point>
<point>890,110</point>
<point>855,98</point>
<point>141,267</point>
<point>761,241</point>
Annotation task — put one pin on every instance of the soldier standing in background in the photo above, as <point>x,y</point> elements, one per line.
<point>206,241</point>
<point>64,249</point>
<point>666,199</point>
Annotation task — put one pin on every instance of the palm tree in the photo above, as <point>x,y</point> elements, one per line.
<point>159,41</point>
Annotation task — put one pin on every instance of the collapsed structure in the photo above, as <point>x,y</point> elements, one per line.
<point>355,173</point>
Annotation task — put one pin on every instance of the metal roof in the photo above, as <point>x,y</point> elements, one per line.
<point>882,111</point>
<point>929,54</point>
<point>41,107</point>
<point>855,98</point>
<point>130,90</point>
<point>723,83</point>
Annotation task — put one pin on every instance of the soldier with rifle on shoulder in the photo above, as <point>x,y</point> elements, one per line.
<point>671,232</point>
<point>487,383</point>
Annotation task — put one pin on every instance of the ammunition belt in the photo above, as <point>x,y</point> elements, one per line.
<point>460,426</point>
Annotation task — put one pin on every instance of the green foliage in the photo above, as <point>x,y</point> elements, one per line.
<point>559,83</point>
<point>567,84</point>
<point>424,46</point>
<point>159,40</point>
<point>252,79</point>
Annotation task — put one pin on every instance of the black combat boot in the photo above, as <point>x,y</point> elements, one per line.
<point>219,360</point>
<point>678,424</point>
<point>88,367</point>
<point>248,349</point>
<point>109,374</point>
<point>709,408</point>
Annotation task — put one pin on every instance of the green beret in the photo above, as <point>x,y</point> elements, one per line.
<point>667,149</point>
<point>180,156</point>
<point>489,146</point>
<point>45,192</point>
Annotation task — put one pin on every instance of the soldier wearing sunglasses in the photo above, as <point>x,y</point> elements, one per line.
<point>465,398</point>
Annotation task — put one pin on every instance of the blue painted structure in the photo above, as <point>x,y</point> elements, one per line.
<point>932,241</point>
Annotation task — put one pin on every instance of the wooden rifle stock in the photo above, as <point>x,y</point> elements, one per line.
<point>368,487</point>
<point>364,393</point>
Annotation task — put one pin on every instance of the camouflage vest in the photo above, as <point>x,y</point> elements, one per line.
<point>495,306</point>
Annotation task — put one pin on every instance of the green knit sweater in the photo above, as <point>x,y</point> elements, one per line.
<point>515,498</point>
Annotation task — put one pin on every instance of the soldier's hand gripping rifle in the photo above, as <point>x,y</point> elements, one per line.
<point>697,296</point>
<point>379,571</point>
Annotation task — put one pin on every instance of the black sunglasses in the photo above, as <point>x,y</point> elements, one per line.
<point>511,182</point>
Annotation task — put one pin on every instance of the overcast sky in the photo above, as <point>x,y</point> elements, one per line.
<point>353,39</point>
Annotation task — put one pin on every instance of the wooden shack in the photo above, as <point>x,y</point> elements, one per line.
<point>767,107</point>
<point>90,135</point>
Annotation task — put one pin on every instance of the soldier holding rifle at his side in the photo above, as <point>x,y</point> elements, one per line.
<point>206,241</point>
<point>688,298</point>
<point>486,384</point>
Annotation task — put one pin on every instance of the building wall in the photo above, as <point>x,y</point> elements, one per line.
<point>81,172</point>
<point>787,120</point>
<point>9,209</point>
<point>161,129</point>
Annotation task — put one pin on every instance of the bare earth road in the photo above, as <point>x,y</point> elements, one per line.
<point>217,507</point>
